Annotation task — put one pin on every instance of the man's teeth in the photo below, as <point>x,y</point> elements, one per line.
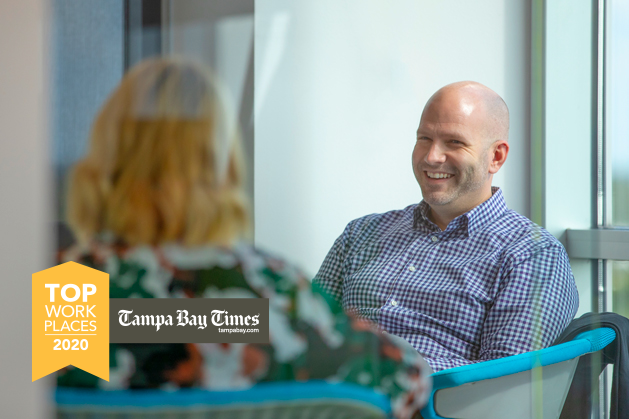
<point>433,175</point>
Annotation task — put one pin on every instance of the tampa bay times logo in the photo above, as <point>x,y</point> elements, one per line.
<point>190,320</point>
<point>218,318</point>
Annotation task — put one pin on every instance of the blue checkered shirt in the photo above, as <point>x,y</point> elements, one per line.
<point>493,284</point>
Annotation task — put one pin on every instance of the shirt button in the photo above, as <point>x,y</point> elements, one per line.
<point>411,268</point>
<point>434,238</point>
<point>393,302</point>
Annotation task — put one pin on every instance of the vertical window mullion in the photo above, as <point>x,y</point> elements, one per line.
<point>603,193</point>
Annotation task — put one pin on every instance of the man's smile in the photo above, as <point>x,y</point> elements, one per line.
<point>438,175</point>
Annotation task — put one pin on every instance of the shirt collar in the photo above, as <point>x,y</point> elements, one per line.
<point>471,221</point>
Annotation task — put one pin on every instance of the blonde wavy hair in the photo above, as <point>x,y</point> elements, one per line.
<point>165,162</point>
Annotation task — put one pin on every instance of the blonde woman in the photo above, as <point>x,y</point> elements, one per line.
<point>158,203</point>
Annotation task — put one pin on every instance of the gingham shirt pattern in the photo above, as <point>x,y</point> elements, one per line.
<point>493,284</point>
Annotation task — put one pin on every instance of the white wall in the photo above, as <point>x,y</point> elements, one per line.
<point>339,91</point>
<point>24,197</point>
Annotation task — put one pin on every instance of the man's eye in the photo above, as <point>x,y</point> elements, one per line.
<point>423,138</point>
<point>456,142</point>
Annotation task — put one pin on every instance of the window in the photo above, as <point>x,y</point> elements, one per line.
<point>617,138</point>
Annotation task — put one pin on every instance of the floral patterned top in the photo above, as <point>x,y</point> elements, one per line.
<point>310,337</point>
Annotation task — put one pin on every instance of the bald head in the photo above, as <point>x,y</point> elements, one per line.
<point>472,100</point>
<point>461,143</point>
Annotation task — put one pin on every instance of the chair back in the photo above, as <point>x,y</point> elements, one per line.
<point>524,386</point>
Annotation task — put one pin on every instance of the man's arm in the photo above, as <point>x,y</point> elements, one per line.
<point>330,275</point>
<point>537,299</point>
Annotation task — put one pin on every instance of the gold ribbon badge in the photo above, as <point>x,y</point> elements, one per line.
<point>71,320</point>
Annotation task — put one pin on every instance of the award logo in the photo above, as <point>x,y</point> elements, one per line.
<point>70,320</point>
<point>72,315</point>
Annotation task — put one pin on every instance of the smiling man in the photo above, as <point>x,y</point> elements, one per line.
<point>460,276</point>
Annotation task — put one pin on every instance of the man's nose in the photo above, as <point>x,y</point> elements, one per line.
<point>435,154</point>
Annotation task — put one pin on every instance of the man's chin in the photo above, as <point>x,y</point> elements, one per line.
<point>437,199</point>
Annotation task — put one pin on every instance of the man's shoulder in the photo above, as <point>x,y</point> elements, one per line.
<point>383,220</point>
<point>520,235</point>
<point>377,226</point>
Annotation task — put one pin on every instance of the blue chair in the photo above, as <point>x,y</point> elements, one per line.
<point>530,385</point>
<point>314,399</point>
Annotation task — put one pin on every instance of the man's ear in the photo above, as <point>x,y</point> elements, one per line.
<point>499,150</point>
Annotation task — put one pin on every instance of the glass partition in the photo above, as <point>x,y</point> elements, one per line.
<point>617,136</point>
<point>332,93</point>
<point>617,83</point>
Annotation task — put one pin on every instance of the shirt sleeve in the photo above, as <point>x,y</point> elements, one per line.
<point>330,275</point>
<point>536,301</point>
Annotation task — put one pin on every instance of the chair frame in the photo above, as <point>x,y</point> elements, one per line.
<point>556,361</point>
